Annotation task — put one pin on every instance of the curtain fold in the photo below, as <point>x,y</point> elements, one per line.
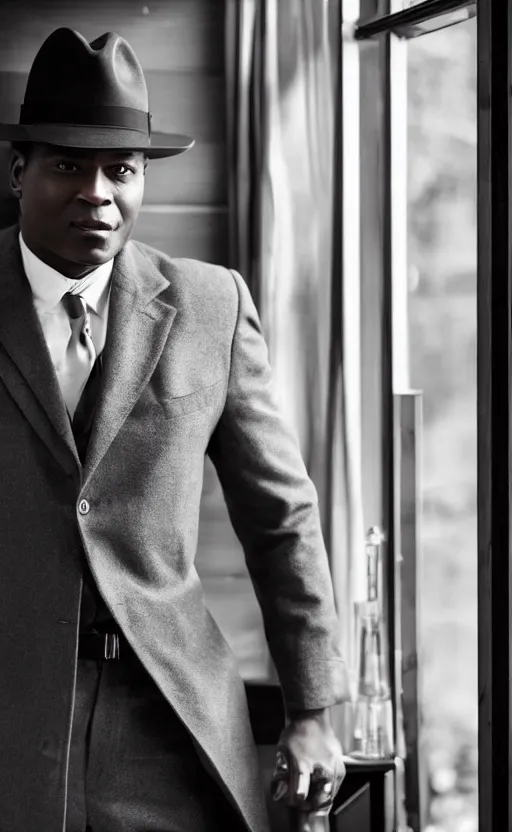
<point>283,71</point>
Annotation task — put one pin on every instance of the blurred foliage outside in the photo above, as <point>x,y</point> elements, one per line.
<point>442,331</point>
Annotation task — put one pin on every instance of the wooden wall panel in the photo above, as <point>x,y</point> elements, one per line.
<point>228,590</point>
<point>5,189</point>
<point>198,234</point>
<point>188,103</point>
<point>197,177</point>
<point>172,35</point>
<point>12,90</point>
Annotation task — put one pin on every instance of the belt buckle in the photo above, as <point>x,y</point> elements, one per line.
<point>111,646</point>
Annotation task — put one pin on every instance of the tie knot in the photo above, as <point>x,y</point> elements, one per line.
<point>74,305</point>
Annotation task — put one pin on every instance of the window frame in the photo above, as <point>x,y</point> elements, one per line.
<point>423,18</point>
<point>494,366</point>
<point>494,361</point>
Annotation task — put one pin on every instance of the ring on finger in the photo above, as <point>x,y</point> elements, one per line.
<point>322,779</point>
<point>281,762</point>
<point>320,772</point>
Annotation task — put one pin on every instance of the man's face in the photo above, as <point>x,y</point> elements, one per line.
<point>78,207</point>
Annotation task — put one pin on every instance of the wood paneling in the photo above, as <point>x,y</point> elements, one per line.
<point>198,176</point>
<point>233,604</point>
<point>198,234</point>
<point>175,35</point>
<point>5,189</point>
<point>188,103</point>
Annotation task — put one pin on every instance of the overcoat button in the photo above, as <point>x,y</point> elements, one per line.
<point>83,507</point>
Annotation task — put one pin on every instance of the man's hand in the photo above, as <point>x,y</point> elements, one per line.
<point>309,764</point>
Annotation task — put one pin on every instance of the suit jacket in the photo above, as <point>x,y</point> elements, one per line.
<point>185,374</point>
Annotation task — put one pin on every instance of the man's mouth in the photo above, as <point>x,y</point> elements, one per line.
<point>92,225</point>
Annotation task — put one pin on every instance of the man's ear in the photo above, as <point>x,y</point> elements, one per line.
<point>17,169</point>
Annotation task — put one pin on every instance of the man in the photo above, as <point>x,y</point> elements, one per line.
<point>122,709</point>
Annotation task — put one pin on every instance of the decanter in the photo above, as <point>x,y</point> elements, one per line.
<point>373,717</point>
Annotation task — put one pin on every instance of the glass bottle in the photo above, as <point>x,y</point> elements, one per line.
<point>373,718</point>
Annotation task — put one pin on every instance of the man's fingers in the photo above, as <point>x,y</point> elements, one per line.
<point>281,776</point>
<point>317,788</point>
<point>323,787</point>
<point>340,777</point>
<point>300,781</point>
<point>279,789</point>
<point>290,778</point>
<point>308,783</point>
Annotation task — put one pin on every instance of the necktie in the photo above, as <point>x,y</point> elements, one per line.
<point>80,353</point>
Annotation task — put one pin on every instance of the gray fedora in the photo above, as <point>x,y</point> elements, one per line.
<point>90,96</point>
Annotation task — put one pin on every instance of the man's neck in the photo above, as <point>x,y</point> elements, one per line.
<point>74,271</point>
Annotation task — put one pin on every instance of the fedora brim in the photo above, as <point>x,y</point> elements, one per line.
<point>97,138</point>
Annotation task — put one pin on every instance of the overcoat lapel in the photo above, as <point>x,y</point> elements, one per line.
<point>138,326</point>
<point>25,363</point>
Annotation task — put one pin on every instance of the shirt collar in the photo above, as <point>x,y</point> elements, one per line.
<point>48,285</point>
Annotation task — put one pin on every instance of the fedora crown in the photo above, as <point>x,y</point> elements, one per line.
<point>89,95</point>
<point>71,78</point>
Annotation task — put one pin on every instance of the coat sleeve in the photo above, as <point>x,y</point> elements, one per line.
<point>273,507</point>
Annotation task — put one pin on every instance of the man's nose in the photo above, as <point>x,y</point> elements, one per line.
<point>95,189</point>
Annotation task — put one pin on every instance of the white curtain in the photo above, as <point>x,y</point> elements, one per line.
<point>285,198</point>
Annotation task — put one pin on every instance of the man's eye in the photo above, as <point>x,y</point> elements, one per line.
<point>122,170</point>
<point>67,166</point>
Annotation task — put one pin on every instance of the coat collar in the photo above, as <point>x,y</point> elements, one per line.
<point>25,363</point>
<point>139,323</point>
<point>140,319</point>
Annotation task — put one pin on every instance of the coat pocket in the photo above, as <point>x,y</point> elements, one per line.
<point>176,406</point>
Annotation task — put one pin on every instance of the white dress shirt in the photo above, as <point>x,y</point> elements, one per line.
<point>48,287</point>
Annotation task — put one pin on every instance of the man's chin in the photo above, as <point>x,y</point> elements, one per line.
<point>91,251</point>
<point>94,257</point>
<point>76,263</point>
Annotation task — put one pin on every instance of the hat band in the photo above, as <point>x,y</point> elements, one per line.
<point>95,116</point>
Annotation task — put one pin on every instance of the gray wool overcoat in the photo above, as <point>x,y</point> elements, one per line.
<point>186,374</point>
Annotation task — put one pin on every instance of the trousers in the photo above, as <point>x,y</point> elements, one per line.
<point>133,766</point>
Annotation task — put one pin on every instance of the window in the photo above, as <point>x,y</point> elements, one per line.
<point>441,313</point>
<point>418,228</point>
<point>420,107</point>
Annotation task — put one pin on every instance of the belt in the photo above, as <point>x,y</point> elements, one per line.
<point>104,647</point>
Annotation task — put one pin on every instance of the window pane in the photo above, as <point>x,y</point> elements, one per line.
<point>441,20</point>
<point>351,10</point>
<point>441,128</point>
